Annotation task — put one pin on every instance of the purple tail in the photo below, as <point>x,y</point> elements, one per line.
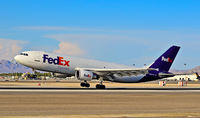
<point>164,62</point>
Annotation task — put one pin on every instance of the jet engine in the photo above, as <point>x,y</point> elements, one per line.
<point>85,75</point>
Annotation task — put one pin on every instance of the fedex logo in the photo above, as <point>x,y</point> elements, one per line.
<point>167,59</point>
<point>87,75</point>
<point>56,61</point>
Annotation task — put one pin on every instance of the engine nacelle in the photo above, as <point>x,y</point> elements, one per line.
<point>85,75</point>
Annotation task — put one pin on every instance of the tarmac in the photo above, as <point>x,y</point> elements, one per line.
<point>69,100</point>
<point>55,102</point>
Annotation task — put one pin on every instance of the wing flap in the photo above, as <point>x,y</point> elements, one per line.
<point>121,72</point>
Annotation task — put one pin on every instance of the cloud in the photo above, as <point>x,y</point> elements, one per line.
<point>69,49</point>
<point>67,46</point>
<point>42,28</point>
<point>9,48</point>
<point>68,42</point>
<point>83,29</point>
<point>68,37</point>
<point>145,37</point>
<point>55,28</point>
<point>1,47</point>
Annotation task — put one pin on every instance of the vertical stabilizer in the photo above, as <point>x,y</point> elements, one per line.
<point>164,62</point>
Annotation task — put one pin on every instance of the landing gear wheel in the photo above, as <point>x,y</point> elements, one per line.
<point>99,86</point>
<point>87,85</point>
<point>83,84</point>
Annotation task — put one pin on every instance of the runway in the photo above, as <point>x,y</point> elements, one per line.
<point>88,90</point>
<point>93,103</point>
<point>94,90</point>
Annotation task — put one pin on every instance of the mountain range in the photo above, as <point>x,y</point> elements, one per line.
<point>13,67</point>
<point>190,71</point>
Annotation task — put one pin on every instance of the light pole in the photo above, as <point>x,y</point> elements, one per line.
<point>185,69</point>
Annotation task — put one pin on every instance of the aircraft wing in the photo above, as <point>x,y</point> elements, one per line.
<point>121,72</point>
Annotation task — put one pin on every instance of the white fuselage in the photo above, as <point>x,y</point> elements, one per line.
<point>189,77</point>
<point>66,64</point>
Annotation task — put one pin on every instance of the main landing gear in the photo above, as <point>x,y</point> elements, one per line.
<point>85,84</point>
<point>100,85</point>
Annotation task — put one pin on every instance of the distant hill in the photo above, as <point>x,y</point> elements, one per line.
<point>9,67</point>
<point>193,70</point>
<point>196,69</point>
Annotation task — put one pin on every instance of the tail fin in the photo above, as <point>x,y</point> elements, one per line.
<point>198,77</point>
<point>164,62</point>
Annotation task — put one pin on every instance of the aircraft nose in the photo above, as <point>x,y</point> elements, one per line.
<point>16,58</point>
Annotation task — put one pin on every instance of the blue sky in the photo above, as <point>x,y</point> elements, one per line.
<point>121,31</point>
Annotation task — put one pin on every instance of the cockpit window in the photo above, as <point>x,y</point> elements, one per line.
<point>25,54</point>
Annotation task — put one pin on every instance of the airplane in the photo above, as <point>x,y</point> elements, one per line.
<point>87,70</point>
<point>184,77</point>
